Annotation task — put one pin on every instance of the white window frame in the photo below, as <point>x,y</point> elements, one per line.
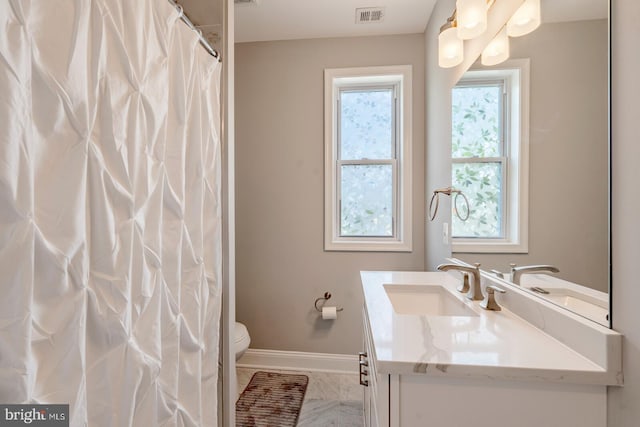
<point>334,79</point>
<point>516,208</point>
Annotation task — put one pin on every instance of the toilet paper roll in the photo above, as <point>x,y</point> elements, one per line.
<point>329,313</point>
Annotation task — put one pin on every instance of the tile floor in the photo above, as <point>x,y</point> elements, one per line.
<point>331,399</point>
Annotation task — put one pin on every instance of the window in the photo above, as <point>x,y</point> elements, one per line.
<point>489,154</point>
<point>367,159</point>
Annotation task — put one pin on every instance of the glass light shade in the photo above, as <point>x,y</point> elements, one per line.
<point>450,48</point>
<point>525,20</point>
<point>497,50</point>
<point>471,16</point>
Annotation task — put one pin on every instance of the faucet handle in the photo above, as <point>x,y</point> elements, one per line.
<point>512,269</point>
<point>464,287</point>
<point>489,302</point>
<point>498,273</point>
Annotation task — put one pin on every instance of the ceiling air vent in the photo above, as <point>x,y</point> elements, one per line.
<point>365,15</point>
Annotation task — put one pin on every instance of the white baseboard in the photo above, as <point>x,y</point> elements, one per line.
<point>299,361</point>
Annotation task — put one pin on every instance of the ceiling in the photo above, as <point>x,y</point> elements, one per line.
<point>573,10</point>
<point>305,19</point>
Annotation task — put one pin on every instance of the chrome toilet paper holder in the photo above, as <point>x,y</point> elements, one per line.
<point>323,299</point>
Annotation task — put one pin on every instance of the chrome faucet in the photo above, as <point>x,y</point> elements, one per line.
<point>475,291</point>
<point>516,272</point>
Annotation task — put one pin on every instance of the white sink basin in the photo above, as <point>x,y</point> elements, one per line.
<point>582,304</point>
<point>428,300</point>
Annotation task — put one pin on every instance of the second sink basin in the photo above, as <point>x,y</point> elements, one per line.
<point>428,300</point>
<point>585,305</point>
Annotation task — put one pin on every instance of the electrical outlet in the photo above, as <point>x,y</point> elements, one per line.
<point>445,233</point>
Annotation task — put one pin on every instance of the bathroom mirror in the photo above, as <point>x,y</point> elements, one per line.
<point>568,182</point>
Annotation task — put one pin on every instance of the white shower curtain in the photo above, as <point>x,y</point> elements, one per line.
<point>110,231</point>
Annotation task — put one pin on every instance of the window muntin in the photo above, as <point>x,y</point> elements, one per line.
<point>367,152</point>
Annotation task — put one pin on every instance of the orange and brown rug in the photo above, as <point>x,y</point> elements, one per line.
<point>271,399</point>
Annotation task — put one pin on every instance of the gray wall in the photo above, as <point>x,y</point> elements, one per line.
<point>281,264</point>
<point>624,410</point>
<point>568,184</point>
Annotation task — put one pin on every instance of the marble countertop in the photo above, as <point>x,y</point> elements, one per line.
<point>490,344</point>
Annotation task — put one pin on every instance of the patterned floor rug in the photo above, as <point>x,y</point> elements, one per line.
<point>271,399</point>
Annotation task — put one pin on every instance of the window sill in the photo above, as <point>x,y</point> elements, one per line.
<point>369,246</point>
<point>485,246</point>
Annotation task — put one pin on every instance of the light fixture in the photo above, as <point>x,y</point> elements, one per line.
<point>471,18</point>
<point>525,20</point>
<point>497,50</point>
<point>450,47</point>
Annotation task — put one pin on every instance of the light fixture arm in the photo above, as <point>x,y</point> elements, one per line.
<point>451,22</point>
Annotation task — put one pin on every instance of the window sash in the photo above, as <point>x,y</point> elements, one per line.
<point>503,106</point>
<point>504,144</point>
<point>395,131</point>
<point>504,205</point>
<point>394,196</point>
<point>393,161</point>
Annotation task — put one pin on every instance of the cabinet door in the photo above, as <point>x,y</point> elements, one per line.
<point>423,400</point>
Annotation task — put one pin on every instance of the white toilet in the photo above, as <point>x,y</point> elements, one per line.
<point>241,339</point>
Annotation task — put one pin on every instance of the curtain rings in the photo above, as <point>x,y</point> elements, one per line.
<point>435,202</point>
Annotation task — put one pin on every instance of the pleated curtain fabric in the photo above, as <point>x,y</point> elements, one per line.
<point>110,216</point>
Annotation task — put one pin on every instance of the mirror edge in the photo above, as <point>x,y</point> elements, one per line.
<point>609,174</point>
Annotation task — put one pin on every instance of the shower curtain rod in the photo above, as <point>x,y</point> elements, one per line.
<point>204,42</point>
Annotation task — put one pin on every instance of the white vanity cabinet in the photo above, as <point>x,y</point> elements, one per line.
<point>485,370</point>
<point>419,400</point>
